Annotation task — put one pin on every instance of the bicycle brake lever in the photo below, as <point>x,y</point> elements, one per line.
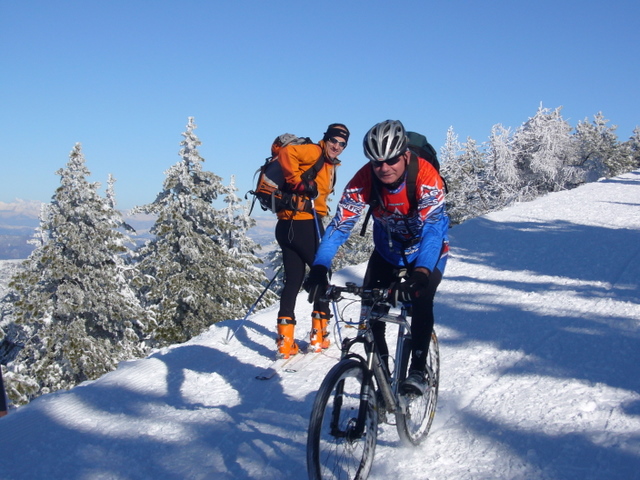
<point>332,293</point>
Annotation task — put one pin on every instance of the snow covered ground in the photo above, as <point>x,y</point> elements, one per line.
<point>539,324</point>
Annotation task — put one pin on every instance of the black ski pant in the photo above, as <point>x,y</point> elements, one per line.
<point>299,242</point>
<point>381,274</point>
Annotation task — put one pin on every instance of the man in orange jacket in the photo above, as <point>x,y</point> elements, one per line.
<point>298,232</point>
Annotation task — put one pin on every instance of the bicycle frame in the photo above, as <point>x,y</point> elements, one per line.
<point>346,413</point>
<point>387,384</point>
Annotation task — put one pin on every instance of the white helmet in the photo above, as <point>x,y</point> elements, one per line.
<point>385,140</point>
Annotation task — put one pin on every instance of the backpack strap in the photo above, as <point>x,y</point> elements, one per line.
<point>312,172</point>
<point>301,202</point>
<point>412,176</point>
<point>374,201</point>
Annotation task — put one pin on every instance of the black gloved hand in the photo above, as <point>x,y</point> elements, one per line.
<point>306,187</point>
<point>414,287</point>
<point>311,189</point>
<point>316,282</point>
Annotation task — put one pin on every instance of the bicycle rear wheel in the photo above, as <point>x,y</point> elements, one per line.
<point>413,425</point>
<point>344,425</point>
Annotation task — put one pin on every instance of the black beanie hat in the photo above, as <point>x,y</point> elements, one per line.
<point>336,130</point>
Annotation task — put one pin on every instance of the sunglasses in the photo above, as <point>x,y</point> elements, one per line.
<point>335,141</point>
<point>390,162</point>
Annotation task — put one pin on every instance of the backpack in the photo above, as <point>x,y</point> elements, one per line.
<point>419,147</point>
<point>270,191</point>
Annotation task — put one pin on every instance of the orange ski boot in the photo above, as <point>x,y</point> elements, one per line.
<point>319,331</point>
<point>285,339</point>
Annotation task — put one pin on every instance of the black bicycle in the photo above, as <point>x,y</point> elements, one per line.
<point>359,392</point>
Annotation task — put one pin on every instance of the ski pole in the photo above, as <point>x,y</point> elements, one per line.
<point>228,339</point>
<point>3,397</point>
<point>315,218</point>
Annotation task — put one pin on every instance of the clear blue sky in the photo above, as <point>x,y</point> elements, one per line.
<point>122,77</point>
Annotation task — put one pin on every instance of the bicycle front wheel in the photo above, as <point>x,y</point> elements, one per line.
<point>344,425</point>
<point>414,420</point>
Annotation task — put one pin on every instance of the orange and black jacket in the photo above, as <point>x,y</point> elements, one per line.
<point>297,159</point>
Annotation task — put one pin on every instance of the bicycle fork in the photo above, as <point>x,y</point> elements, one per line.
<point>374,368</point>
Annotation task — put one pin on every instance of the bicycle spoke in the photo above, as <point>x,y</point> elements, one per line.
<point>343,427</point>
<point>413,425</point>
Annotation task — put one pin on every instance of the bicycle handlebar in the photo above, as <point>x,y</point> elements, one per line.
<point>334,292</point>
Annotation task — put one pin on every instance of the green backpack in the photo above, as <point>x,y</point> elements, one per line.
<point>419,145</point>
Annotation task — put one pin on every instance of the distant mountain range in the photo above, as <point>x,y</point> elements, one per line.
<point>264,231</point>
<point>19,220</point>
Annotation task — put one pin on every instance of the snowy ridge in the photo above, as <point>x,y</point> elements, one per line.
<point>539,326</point>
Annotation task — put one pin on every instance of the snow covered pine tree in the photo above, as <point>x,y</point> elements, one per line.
<point>198,268</point>
<point>72,296</point>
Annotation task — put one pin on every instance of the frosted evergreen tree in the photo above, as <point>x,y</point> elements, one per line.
<point>450,150</point>
<point>475,168</point>
<point>598,150</point>
<point>466,183</point>
<point>273,262</point>
<point>243,249</point>
<point>452,171</point>
<point>189,277</point>
<point>503,178</point>
<point>72,298</point>
<point>110,194</point>
<point>542,147</point>
<point>236,214</point>
<point>634,148</point>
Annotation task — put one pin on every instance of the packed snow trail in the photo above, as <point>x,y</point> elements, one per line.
<point>539,324</point>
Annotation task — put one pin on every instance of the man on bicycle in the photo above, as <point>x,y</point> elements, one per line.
<point>405,237</point>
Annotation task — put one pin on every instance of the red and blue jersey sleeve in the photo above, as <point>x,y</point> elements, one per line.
<point>354,201</point>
